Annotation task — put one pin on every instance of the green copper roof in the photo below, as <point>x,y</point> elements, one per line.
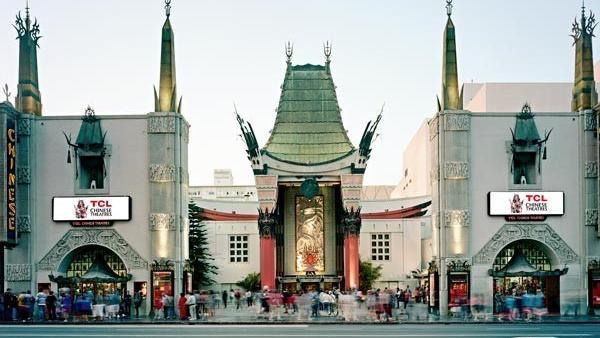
<point>308,128</point>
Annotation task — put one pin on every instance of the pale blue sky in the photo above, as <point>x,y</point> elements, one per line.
<point>106,54</point>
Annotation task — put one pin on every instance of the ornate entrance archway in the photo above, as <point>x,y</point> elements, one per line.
<point>523,269</point>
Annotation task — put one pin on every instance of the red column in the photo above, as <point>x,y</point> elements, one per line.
<point>351,261</point>
<point>267,261</point>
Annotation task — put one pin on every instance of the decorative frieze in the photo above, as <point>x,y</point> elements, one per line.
<point>162,221</point>
<point>351,190</point>
<point>162,172</point>
<point>454,170</point>
<point>23,223</point>
<point>18,272</point>
<point>457,122</point>
<point>24,127</point>
<point>267,221</point>
<point>593,262</point>
<point>590,121</point>
<point>23,175</point>
<point>161,124</point>
<point>266,191</point>
<point>351,222</point>
<point>458,264</point>
<point>76,238</point>
<point>514,232</point>
<point>457,218</point>
<point>591,216</point>
<point>591,169</point>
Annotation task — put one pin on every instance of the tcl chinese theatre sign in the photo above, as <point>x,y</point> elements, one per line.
<point>526,205</point>
<point>91,211</point>
<point>11,183</point>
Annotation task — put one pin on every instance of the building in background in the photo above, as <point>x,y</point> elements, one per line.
<point>96,207</point>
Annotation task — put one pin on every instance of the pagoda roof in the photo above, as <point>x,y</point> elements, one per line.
<point>308,127</point>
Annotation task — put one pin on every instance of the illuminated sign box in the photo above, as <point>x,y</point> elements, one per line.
<point>91,210</point>
<point>522,204</point>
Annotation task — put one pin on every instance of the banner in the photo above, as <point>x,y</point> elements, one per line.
<point>11,182</point>
<point>526,203</point>
<point>91,211</point>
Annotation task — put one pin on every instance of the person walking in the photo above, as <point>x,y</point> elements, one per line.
<point>181,304</point>
<point>51,306</point>
<point>238,298</point>
<point>224,298</point>
<point>137,302</point>
<point>127,305</point>
<point>40,300</point>
<point>191,303</point>
<point>248,296</point>
<point>65,303</point>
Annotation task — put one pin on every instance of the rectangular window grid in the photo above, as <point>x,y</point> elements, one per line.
<point>238,248</point>
<point>380,247</point>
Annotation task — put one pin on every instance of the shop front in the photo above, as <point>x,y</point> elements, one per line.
<point>524,268</point>
<point>594,286</point>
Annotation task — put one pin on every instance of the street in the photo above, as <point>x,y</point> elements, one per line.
<point>428,330</point>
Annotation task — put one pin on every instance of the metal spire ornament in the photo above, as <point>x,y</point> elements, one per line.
<point>449,7</point>
<point>168,7</point>
<point>327,50</point>
<point>6,92</point>
<point>289,51</point>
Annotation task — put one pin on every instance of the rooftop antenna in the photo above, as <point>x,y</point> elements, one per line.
<point>168,8</point>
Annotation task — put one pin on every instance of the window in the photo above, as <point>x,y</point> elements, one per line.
<point>525,169</point>
<point>380,247</point>
<point>238,248</point>
<point>92,172</point>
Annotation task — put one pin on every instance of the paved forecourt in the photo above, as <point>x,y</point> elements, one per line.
<point>433,330</point>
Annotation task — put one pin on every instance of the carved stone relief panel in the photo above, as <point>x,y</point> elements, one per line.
<point>457,122</point>
<point>591,216</point>
<point>76,238</point>
<point>457,217</point>
<point>162,172</point>
<point>456,170</point>
<point>161,221</point>
<point>161,124</point>
<point>18,272</point>
<point>23,175</point>
<point>591,169</point>
<point>513,232</point>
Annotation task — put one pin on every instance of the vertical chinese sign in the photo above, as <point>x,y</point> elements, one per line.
<point>11,182</point>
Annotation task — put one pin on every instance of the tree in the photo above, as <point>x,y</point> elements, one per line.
<point>368,274</point>
<point>251,282</point>
<point>200,257</point>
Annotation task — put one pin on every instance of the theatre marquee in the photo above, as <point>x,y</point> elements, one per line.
<point>522,205</point>
<point>91,210</point>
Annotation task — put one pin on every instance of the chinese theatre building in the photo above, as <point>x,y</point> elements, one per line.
<point>97,207</point>
<point>515,195</point>
<point>308,179</point>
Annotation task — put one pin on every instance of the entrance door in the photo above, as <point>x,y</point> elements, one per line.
<point>552,294</point>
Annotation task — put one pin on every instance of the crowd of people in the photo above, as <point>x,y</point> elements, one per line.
<point>376,304</point>
<point>66,305</point>
<point>519,302</point>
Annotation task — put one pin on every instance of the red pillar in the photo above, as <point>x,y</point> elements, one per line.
<point>351,261</point>
<point>267,261</point>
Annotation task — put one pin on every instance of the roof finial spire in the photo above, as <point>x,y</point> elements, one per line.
<point>168,7</point>
<point>289,51</point>
<point>327,50</point>
<point>449,7</point>
<point>6,92</point>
